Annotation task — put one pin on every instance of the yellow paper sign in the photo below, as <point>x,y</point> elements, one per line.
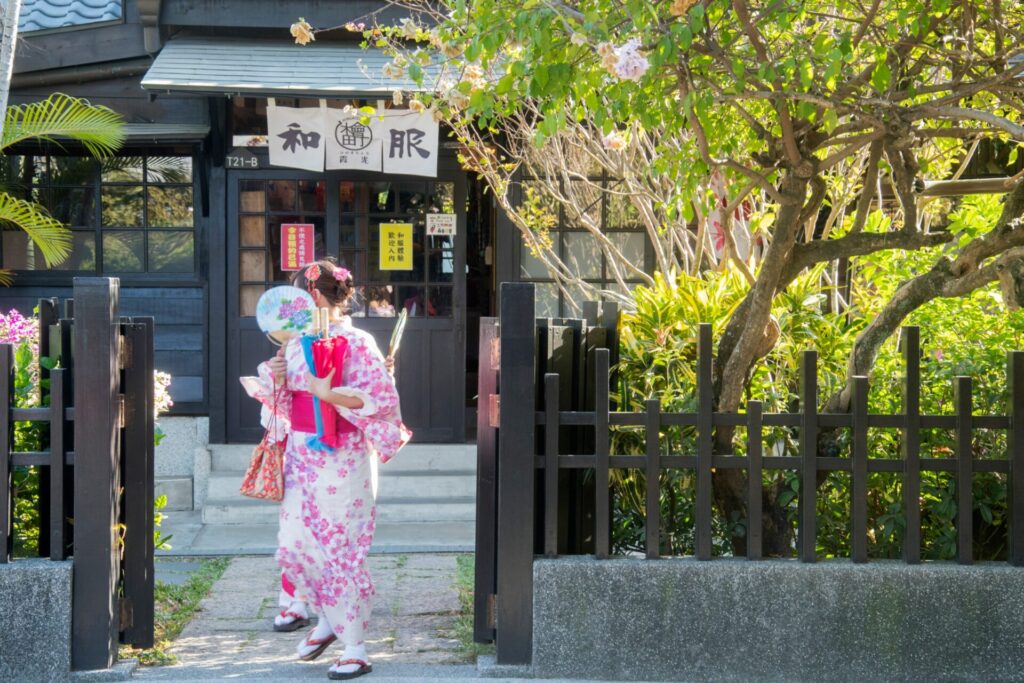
<point>396,246</point>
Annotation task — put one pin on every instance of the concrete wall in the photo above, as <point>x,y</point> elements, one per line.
<point>182,462</point>
<point>35,601</point>
<point>733,620</point>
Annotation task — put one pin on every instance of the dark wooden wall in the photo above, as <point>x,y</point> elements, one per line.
<point>180,339</point>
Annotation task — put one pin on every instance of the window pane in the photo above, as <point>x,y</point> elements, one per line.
<point>443,199</point>
<point>170,207</point>
<point>122,206</point>
<point>411,198</point>
<point>530,265</point>
<point>123,170</point>
<point>413,300</point>
<point>19,253</point>
<point>73,170</point>
<point>353,197</point>
<point>252,265</point>
<point>353,231</point>
<point>248,297</point>
<point>381,197</point>
<point>541,206</point>
<point>585,199</point>
<point>74,207</point>
<point>583,254</point>
<point>123,252</point>
<point>83,253</point>
<point>380,302</point>
<point>546,299</point>
<point>621,213</point>
<point>281,195</point>
<point>631,244</point>
<point>172,252</point>
<point>311,196</point>
<point>169,169</point>
<point>440,303</point>
<point>251,197</point>
<point>252,231</point>
<point>441,259</point>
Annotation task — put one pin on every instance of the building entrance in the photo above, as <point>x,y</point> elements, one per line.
<point>347,212</point>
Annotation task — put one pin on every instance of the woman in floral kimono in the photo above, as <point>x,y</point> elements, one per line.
<point>328,512</point>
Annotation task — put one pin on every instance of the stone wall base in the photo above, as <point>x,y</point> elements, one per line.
<point>734,620</point>
<point>35,600</point>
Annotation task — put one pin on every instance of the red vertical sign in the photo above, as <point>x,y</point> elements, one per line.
<point>296,245</point>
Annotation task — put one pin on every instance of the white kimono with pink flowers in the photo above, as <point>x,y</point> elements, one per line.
<point>328,511</point>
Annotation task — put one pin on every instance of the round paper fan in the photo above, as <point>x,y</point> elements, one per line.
<point>283,311</point>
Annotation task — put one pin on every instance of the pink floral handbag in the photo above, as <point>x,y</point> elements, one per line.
<point>265,477</point>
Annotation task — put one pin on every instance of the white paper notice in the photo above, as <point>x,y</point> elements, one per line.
<point>410,143</point>
<point>351,144</point>
<point>441,224</point>
<point>295,138</point>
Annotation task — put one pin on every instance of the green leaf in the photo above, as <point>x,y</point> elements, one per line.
<point>48,234</point>
<point>881,76</point>
<point>62,117</point>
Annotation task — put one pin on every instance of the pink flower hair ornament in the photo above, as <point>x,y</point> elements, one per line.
<point>342,274</point>
<point>312,274</point>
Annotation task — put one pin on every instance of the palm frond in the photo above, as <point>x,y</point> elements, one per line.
<point>50,236</point>
<point>99,129</point>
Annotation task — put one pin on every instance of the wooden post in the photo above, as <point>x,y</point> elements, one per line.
<point>963,401</point>
<point>1015,446</point>
<point>551,430</point>
<point>138,472</point>
<point>910,343</point>
<point>57,512</point>
<point>486,485</point>
<point>516,475</point>
<point>95,614</point>
<point>808,533</point>
<point>652,475</point>
<point>50,480</point>
<point>702,512</point>
<point>6,432</point>
<point>755,483</point>
<point>602,514</point>
<point>859,475</point>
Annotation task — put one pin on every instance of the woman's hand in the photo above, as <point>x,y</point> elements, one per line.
<point>320,386</point>
<point>279,366</point>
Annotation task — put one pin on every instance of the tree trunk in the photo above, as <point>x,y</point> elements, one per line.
<point>10,11</point>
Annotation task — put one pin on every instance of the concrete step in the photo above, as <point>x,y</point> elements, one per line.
<point>261,539</point>
<point>178,491</point>
<point>416,457</point>
<point>240,510</point>
<point>408,484</point>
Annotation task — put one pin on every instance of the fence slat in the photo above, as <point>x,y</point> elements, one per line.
<point>95,613</point>
<point>910,341</point>
<point>6,500</point>
<point>47,319</point>
<point>702,515</point>
<point>551,430</point>
<point>755,484</point>
<point>516,474</point>
<point>138,470</point>
<point>809,455</point>
<point>652,471</point>
<point>964,471</point>
<point>57,541</point>
<point>486,487</point>
<point>1015,448</point>
<point>859,475</point>
<point>602,507</point>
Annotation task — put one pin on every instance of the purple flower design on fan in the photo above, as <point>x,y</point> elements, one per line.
<point>295,314</point>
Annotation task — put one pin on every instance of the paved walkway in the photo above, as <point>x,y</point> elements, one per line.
<point>231,636</point>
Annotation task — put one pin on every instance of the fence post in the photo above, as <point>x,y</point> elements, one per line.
<point>702,513</point>
<point>138,471</point>
<point>514,622</point>
<point>50,480</point>
<point>809,453</point>
<point>964,471</point>
<point>602,512</point>
<point>910,341</point>
<point>551,433</point>
<point>652,476</point>
<point>755,482</point>
<point>859,475</point>
<point>6,432</point>
<point>486,485</point>
<point>58,402</point>
<point>96,613</point>
<point>1015,446</point>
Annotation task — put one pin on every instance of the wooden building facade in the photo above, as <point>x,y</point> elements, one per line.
<point>189,214</point>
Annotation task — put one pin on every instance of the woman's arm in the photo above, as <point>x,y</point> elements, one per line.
<point>321,388</point>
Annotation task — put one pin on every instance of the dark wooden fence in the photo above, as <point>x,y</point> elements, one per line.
<point>532,417</point>
<point>96,475</point>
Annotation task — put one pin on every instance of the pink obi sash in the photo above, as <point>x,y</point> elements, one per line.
<point>303,420</point>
